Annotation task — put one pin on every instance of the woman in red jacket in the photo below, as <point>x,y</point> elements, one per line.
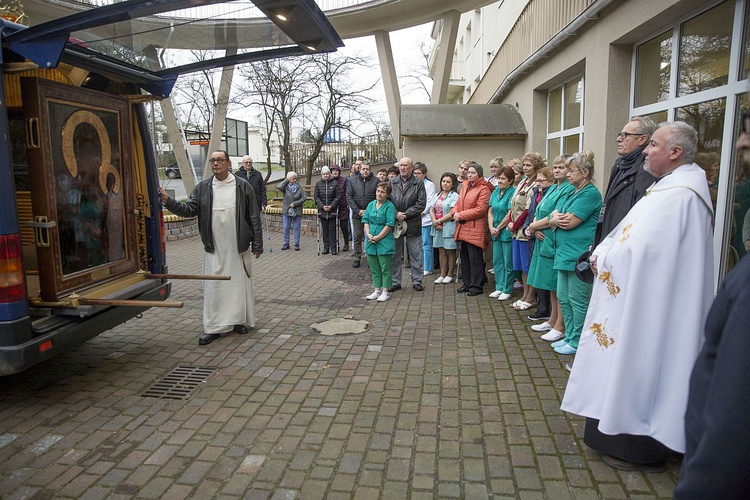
<point>470,214</point>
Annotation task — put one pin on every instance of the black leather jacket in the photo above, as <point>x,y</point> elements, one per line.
<point>410,197</point>
<point>249,228</point>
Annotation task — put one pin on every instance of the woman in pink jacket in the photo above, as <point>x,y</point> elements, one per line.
<point>470,214</point>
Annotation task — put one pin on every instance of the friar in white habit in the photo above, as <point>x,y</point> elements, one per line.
<point>228,223</point>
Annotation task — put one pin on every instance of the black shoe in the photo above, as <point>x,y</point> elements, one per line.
<point>345,249</point>
<point>241,329</point>
<point>394,288</point>
<point>334,253</point>
<point>462,289</point>
<point>355,263</point>
<point>296,249</point>
<point>326,252</point>
<point>618,464</point>
<point>473,293</point>
<point>207,338</point>
<point>285,247</point>
<point>417,287</point>
<point>538,317</point>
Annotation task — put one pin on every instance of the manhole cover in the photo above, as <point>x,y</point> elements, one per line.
<point>179,383</point>
<point>341,326</point>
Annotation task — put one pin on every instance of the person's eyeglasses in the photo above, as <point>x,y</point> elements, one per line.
<point>248,163</point>
<point>575,170</point>
<point>624,135</point>
<point>217,160</point>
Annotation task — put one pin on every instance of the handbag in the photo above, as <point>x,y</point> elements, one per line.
<point>291,212</point>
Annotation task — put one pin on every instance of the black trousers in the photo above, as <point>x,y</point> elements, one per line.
<point>472,264</point>
<point>544,305</point>
<point>328,230</point>
<point>344,223</point>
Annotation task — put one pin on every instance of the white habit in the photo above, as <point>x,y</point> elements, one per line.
<point>644,326</point>
<point>227,303</point>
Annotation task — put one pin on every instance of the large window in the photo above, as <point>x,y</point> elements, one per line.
<point>565,118</point>
<point>696,72</point>
<point>236,137</point>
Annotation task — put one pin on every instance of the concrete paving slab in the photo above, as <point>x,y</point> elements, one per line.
<point>444,396</point>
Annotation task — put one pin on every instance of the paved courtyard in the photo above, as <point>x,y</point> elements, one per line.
<point>445,396</point>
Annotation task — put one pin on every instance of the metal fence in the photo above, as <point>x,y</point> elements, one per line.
<point>374,148</point>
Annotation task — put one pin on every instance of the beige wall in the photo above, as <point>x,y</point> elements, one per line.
<point>443,155</point>
<point>603,52</point>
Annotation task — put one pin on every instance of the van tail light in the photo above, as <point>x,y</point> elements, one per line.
<point>12,280</point>
<point>163,238</point>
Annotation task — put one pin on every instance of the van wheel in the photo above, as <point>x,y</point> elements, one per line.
<point>171,174</point>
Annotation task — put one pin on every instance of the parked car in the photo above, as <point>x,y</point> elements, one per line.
<point>173,171</point>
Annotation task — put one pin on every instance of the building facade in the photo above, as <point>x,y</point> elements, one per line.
<point>577,70</point>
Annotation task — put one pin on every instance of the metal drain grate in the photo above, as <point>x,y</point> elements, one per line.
<point>179,383</point>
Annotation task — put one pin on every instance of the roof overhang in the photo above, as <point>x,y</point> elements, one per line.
<point>121,41</point>
<point>468,121</point>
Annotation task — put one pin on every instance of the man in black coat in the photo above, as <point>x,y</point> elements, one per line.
<point>716,421</point>
<point>255,178</point>
<point>627,180</point>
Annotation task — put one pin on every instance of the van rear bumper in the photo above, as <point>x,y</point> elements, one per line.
<point>16,358</point>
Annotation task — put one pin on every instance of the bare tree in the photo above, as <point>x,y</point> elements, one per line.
<point>338,90</point>
<point>417,77</point>
<point>280,88</point>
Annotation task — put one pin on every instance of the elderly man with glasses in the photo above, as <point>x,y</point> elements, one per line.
<point>628,180</point>
<point>229,225</point>
<point>255,178</point>
<point>410,197</point>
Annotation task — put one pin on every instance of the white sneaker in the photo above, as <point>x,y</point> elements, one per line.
<point>383,297</point>
<point>438,280</point>
<point>447,279</point>
<point>491,270</point>
<point>427,273</point>
<point>551,335</point>
<point>496,294</point>
<point>544,327</point>
<point>374,295</point>
<point>503,296</point>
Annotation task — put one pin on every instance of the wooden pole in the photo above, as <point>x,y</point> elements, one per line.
<point>132,303</point>
<point>207,277</point>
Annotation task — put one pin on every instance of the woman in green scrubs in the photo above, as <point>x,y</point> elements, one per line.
<point>542,275</point>
<point>574,220</point>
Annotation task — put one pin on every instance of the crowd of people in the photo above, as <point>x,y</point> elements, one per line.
<point>581,258</point>
<point>624,281</point>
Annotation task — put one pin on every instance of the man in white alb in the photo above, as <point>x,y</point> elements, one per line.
<point>643,329</point>
<point>229,223</point>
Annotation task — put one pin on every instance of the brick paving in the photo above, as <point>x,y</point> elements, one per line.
<point>445,396</point>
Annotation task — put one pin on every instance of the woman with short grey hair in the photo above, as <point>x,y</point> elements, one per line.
<point>294,198</point>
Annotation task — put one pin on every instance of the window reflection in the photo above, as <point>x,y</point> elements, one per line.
<point>653,70</point>
<point>705,43</point>
<point>707,118</point>
<point>573,102</point>
<point>555,110</point>
<point>739,227</point>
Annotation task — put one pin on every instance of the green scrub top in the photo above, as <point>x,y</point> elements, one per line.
<point>586,205</point>
<point>555,195</point>
<point>500,206</point>
<point>378,218</point>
